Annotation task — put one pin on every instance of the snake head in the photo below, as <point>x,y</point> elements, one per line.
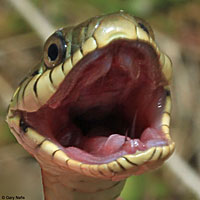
<point>99,102</point>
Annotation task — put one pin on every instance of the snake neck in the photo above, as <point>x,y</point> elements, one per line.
<point>65,184</point>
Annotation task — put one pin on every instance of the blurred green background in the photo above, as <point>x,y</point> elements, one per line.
<point>177,27</point>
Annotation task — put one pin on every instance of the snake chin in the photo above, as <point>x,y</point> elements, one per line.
<point>109,105</point>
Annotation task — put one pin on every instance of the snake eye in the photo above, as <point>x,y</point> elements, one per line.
<point>54,50</point>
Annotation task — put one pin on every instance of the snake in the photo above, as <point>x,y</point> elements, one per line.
<point>96,109</point>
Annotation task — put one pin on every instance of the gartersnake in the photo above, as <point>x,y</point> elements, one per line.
<point>96,109</point>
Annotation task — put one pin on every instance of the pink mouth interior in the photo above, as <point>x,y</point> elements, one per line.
<point>109,105</point>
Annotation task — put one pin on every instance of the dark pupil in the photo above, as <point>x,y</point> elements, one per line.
<point>53,52</point>
<point>143,27</point>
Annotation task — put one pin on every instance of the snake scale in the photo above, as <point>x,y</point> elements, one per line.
<point>96,110</point>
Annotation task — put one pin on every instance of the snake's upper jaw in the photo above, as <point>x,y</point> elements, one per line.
<point>110,115</point>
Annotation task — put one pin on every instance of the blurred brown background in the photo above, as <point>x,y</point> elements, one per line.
<point>177,27</point>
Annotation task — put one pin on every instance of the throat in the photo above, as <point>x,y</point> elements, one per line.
<point>72,187</point>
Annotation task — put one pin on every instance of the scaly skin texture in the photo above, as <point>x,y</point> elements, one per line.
<point>65,178</point>
<point>69,185</point>
<point>72,186</point>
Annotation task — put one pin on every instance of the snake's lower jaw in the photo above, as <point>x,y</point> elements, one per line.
<point>110,116</point>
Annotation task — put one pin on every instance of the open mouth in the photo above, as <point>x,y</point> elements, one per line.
<point>109,105</point>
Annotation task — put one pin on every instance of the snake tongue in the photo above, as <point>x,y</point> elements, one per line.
<point>113,143</point>
<point>104,145</point>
